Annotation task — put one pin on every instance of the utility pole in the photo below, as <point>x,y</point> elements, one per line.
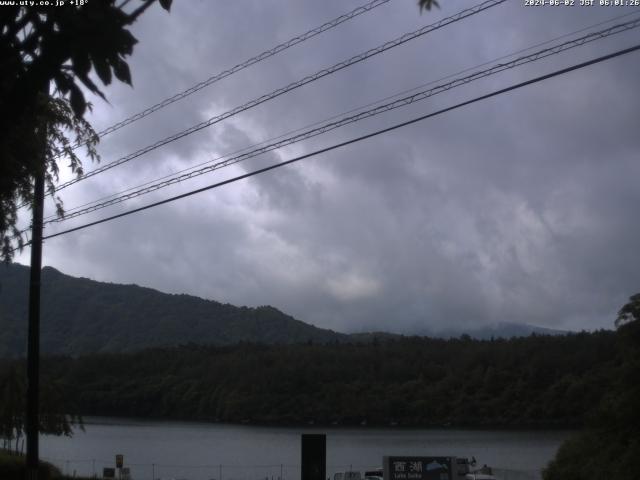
<point>33,345</point>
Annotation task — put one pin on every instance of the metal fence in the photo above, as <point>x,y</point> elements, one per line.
<point>213,471</point>
<point>221,471</point>
<point>163,471</point>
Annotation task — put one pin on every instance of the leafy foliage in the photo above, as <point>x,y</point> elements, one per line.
<point>53,409</point>
<point>427,4</point>
<point>40,45</point>
<point>610,445</point>
<point>55,116</point>
<point>630,312</point>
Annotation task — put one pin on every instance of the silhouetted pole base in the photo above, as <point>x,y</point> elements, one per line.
<point>314,457</point>
<point>32,474</point>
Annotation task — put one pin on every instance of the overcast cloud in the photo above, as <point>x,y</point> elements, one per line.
<point>522,208</point>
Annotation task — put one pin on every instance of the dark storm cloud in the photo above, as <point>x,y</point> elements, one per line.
<point>521,208</point>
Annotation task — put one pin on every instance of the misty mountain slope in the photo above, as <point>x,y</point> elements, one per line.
<point>84,316</point>
<point>496,330</point>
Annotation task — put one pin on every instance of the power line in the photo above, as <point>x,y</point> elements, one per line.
<point>292,86</point>
<point>241,66</point>
<point>247,63</point>
<point>333,117</point>
<point>419,96</point>
<point>354,140</point>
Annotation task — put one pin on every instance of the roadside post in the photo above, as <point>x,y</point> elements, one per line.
<point>119,464</point>
<point>314,457</point>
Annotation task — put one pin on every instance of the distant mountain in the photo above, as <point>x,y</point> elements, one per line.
<point>82,316</point>
<point>496,330</point>
<point>483,332</point>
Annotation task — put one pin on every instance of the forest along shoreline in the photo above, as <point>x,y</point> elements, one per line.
<point>540,381</point>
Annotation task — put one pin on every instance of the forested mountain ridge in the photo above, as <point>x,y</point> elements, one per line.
<point>82,316</point>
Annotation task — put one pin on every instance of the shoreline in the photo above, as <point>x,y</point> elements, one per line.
<point>92,419</point>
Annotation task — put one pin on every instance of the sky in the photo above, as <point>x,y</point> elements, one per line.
<point>521,208</point>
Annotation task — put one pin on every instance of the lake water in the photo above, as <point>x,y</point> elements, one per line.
<point>203,451</point>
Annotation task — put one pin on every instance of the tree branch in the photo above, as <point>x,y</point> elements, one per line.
<point>20,24</point>
<point>132,17</point>
<point>123,4</point>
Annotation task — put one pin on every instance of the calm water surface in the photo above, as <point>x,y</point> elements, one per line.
<point>203,451</point>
